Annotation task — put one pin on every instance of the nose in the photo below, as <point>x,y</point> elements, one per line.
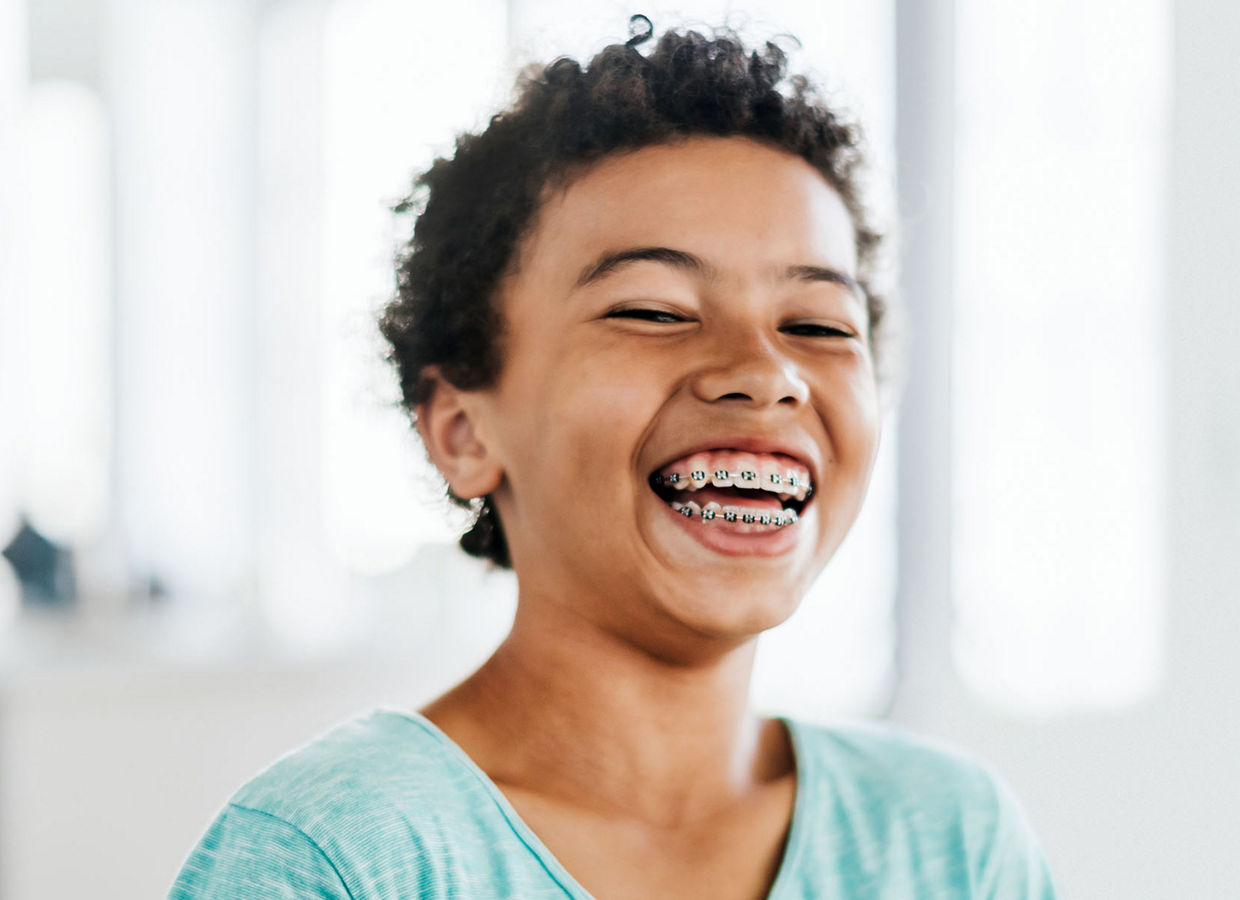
<point>747,367</point>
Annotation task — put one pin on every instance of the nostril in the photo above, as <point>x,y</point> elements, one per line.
<point>736,395</point>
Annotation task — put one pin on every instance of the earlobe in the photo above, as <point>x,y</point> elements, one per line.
<point>449,425</point>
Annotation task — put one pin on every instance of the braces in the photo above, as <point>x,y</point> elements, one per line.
<point>780,519</point>
<point>699,477</point>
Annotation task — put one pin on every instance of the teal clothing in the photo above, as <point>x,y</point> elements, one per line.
<point>387,806</point>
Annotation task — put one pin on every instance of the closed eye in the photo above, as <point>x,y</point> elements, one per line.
<point>807,329</point>
<point>660,316</point>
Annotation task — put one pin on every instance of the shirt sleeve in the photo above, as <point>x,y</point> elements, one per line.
<point>250,853</point>
<point>1014,866</point>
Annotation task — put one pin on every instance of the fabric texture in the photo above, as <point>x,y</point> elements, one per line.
<point>387,806</point>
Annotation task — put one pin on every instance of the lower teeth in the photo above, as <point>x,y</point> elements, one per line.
<point>780,519</point>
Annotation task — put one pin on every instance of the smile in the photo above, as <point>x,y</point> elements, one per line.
<point>743,492</point>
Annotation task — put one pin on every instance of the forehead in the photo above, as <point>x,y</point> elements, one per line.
<point>737,203</point>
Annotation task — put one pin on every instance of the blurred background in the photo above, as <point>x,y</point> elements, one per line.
<point>220,537</point>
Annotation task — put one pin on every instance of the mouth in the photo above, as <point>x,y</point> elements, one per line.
<point>737,491</point>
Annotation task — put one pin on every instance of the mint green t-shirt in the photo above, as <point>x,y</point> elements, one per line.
<point>387,806</point>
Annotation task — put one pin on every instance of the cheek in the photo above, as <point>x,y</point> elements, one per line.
<point>855,400</point>
<point>611,388</point>
<point>581,421</point>
<point>851,419</point>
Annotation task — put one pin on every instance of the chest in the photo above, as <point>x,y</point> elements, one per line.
<point>736,858</point>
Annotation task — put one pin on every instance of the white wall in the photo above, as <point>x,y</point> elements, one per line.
<point>111,772</point>
<point>1146,803</point>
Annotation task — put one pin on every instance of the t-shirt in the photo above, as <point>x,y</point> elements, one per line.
<point>388,806</point>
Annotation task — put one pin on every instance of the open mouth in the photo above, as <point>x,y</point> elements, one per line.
<point>728,487</point>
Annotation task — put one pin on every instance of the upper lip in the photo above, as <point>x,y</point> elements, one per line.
<point>748,444</point>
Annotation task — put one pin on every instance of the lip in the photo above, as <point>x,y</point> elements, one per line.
<point>772,544</point>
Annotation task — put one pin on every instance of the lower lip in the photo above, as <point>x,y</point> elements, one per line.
<point>728,540</point>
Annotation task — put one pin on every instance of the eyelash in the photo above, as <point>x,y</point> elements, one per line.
<point>659,316</point>
<point>808,330</point>
<point>663,317</point>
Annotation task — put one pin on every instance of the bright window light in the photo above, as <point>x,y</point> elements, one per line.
<point>181,103</point>
<point>14,74</point>
<point>395,96</point>
<point>1058,372</point>
<point>68,404</point>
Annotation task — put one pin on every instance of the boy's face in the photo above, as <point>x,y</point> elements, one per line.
<point>676,309</point>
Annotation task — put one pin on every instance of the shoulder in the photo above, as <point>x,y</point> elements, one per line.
<point>361,768</point>
<point>250,853</point>
<point>924,807</point>
<point>338,814</point>
<point>885,765</point>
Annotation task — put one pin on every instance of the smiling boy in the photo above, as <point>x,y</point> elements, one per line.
<point>635,334</point>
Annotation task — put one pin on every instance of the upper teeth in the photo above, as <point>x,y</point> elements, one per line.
<point>790,482</point>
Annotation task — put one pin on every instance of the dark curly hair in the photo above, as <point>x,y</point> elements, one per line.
<point>474,209</point>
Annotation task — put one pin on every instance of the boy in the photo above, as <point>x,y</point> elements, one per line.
<point>635,332</point>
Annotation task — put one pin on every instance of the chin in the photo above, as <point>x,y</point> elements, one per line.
<point>732,606</point>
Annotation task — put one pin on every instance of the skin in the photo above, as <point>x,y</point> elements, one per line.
<point>615,715</point>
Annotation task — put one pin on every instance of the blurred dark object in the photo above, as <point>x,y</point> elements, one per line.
<point>44,569</point>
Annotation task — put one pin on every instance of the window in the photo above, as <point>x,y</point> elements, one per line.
<point>1058,363</point>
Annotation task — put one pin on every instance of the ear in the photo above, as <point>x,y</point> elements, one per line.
<point>449,423</point>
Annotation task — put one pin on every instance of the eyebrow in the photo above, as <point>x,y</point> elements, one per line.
<point>609,262</point>
<point>680,259</point>
<point>825,273</point>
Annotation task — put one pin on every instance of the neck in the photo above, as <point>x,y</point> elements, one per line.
<point>578,713</point>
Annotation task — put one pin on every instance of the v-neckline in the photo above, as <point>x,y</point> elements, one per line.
<point>793,847</point>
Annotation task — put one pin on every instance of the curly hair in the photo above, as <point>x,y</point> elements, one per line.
<point>474,209</point>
